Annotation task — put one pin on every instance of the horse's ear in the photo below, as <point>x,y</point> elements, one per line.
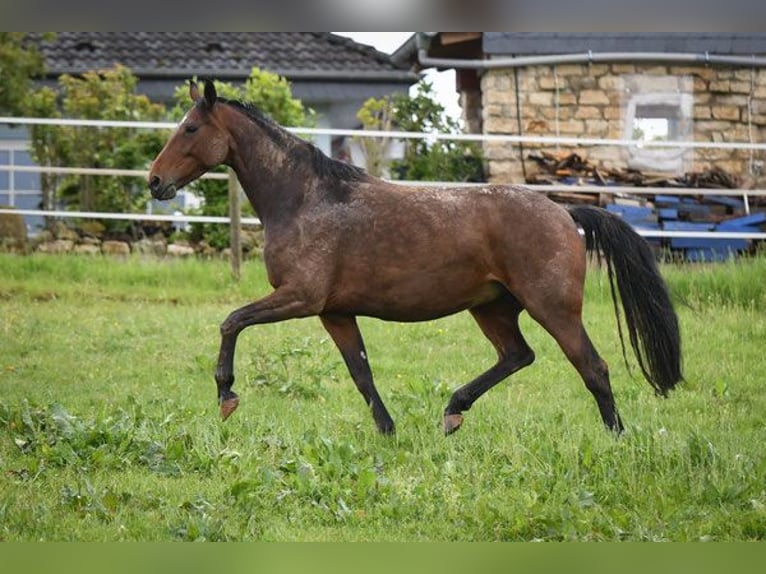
<point>194,91</point>
<point>210,94</point>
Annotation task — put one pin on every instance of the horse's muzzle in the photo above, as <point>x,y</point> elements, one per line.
<point>161,190</point>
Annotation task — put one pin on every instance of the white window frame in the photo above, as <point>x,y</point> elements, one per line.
<point>13,191</point>
<point>642,156</point>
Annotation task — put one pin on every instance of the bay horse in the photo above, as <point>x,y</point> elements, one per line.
<point>340,243</point>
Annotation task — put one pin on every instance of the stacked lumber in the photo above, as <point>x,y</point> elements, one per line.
<point>573,168</point>
<point>702,212</point>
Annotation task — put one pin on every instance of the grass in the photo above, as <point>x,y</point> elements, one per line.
<point>109,429</point>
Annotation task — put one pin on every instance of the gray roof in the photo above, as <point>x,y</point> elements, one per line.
<point>523,43</point>
<point>223,55</point>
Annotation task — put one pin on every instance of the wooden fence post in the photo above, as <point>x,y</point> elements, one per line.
<point>235,227</point>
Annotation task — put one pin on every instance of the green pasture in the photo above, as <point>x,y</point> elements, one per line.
<point>109,427</point>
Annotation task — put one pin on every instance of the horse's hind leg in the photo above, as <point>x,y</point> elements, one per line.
<point>499,321</point>
<point>571,336</point>
<point>345,332</point>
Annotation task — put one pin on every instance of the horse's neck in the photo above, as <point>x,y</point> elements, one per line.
<point>275,181</point>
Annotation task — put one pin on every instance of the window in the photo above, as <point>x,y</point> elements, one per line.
<point>657,109</point>
<point>19,189</point>
<point>5,185</point>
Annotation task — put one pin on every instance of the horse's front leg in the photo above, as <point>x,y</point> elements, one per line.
<point>345,332</point>
<point>280,305</point>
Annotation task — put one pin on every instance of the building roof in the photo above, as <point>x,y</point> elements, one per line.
<point>530,43</point>
<point>466,45</point>
<point>223,55</point>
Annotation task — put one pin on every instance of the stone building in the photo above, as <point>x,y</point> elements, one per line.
<point>667,86</point>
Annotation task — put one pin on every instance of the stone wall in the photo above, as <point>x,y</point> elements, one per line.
<point>712,104</point>
<point>61,239</point>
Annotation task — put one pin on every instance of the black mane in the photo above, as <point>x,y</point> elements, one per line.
<point>324,166</point>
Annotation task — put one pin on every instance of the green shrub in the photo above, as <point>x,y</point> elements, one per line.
<point>101,95</point>
<point>19,63</point>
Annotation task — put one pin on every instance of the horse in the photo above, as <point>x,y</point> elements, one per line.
<point>340,243</point>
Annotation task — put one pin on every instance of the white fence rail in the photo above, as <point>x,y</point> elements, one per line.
<point>172,218</point>
<point>434,136</point>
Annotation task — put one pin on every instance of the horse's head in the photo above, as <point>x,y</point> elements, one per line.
<point>200,143</point>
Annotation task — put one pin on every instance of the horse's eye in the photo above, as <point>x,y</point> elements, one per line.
<point>191,129</point>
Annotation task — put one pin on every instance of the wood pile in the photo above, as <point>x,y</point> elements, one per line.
<point>572,168</point>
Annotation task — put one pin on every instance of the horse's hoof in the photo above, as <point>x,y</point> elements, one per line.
<point>229,406</point>
<point>452,423</point>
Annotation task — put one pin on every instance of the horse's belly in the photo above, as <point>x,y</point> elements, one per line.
<point>416,301</point>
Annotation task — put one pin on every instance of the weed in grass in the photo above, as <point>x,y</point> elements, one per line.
<point>58,439</point>
<point>300,369</point>
<point>201,521</point>
<point>84,499</point>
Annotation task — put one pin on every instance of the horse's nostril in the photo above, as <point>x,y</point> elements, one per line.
<point>154,183</point>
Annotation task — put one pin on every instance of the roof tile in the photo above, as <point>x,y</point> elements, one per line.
<point>210,53</point>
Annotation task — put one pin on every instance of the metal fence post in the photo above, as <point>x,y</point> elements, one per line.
<point>235,227</point>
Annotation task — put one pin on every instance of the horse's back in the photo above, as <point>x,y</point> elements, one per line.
<point>515,220</point>
<point>456,207</point>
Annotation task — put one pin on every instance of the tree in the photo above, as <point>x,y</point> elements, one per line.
<point>440,160</point>
<point>105,94</point>
<point>272,94</point>
<point>424,160</point>
<point>19,63</point>
<point>377,115</point>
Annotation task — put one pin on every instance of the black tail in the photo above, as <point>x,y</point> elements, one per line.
<point>649,314</point>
